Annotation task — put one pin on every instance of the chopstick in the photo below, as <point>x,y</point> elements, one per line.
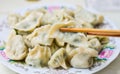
<point>101,32</point>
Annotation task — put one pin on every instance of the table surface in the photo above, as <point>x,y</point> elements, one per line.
<point>8,6</point>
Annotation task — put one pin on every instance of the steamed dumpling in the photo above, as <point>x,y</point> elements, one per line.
<point>81,60</point>
<point>15,47</point>
<point>38,56</point>
<point>39,36</point>
<point>58,59</point>
<point>30,22</point>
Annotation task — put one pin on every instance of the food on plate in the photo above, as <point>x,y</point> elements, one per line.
<point>15,47</point>
<point>38,56</point>
<point>37,40</point>
<point>85,60</point>
<point>58,59</point>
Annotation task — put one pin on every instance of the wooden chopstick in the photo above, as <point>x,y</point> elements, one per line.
<point>104,34</point>
<point>89,31</point>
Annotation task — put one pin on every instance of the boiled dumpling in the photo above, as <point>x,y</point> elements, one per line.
<point>87,16</point>
<point>95,43</point>
<point>55,27</point>
<point>54,16</point>
<point>83,24</point>
<point>58,59</point>
<point>30,22</point>
<point>82,14</point>
<point>39,36</point>
<point>15,47</point>
<point>87,50</point>
<point>71,51</point>
<point>81,60</point>
<point>38,56</point>
<point>76,39</point>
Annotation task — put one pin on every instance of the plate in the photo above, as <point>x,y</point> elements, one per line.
<point>107,55</point>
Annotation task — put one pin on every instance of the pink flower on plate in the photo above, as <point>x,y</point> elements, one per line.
<point>105,54</point>
<point>51,8</point>
<point>2,53</point>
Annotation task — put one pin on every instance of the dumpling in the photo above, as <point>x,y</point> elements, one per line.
<point>82,24</point>
<point>95,43</point>
<point>30,22</point>
<point>55,27</point>
<point>58,15</point>
<point>82,14</point>
<point>70,51</point>
<point>81,60</point>
<point>87,16</point>
<point>58,59</point>
<point>15,47</point>
<point>92,52</point>
<point>76,39</point>
<point>38,56</point>
<point>39,36</point>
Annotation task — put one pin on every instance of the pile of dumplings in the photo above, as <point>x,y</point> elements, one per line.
<point>36,39</point>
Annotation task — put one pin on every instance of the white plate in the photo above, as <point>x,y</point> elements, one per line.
<point>109,53</point>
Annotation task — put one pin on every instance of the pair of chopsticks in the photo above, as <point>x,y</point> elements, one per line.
<point>101,32</point>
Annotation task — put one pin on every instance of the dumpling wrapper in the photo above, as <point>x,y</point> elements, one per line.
<point>58,59</point>
<point>30,22</point>
<point>15,47</point>
<point>82,60</point>
<point>38,56</point>
<point>39,36</point>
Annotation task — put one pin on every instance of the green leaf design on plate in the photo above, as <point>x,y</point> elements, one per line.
<point>2,47</point>
<point>109,46</point>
